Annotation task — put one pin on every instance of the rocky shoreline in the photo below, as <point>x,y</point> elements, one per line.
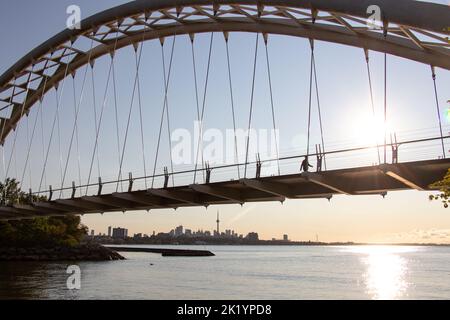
<point>85,252</point>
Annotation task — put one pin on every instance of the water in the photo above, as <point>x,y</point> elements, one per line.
<point>245,272</point>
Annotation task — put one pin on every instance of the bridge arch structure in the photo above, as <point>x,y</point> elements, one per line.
<point>413,30</point>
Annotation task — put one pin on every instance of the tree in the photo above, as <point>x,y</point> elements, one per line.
<point>444,187</point>
<point>45,231</point>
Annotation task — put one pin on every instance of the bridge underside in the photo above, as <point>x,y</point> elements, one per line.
<point>374,180</point>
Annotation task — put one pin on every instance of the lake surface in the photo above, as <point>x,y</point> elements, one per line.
<point>245,272</point>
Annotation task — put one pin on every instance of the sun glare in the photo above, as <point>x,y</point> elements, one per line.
<point>369,130</point>
<point>386,270</point>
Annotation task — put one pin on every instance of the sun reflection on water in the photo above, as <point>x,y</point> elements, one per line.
<point>386,270</point>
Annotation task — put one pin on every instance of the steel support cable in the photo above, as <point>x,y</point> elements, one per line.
<point>169,133</point>
<point>272,104</point>
<point>438,109</point>
<point>166,88</point>
<point>310,104</point>
<point>41,122</point>
<point>122,155</point>
<point>232,107</point>
<point>116,112</point>
<point>197,100</point>
<point>58,128</point>
<point>30,141</point>
<point>372,101</point>
<point>200,137</point>
<point>194,66</point>
<point>94,101</point>
<point>319,111</point>
<point>102,109</point>
<point>17,129</point>
<point>3,129</point>
<point>251,105</point>
<point>75,125</point>
<point>77,135</point>
<point>138,61</point>
<point>49,142</point>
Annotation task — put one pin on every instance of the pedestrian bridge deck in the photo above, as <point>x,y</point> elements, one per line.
<point>372,180</point>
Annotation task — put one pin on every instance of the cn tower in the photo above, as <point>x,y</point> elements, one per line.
<point>218,221</point>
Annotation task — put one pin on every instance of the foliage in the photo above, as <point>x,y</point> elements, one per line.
<point>444,187</point>
<point>45,231</point>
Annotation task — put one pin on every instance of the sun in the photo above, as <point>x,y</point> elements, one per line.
<point>369,130</point>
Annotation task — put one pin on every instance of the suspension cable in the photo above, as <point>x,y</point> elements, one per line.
<point>41,121</point>
<point>319,112</point>
<point>58,124</point>
<point>197,100</point>
<point>75,124</point>
<point>385,32</point>
<point>77,135</point>
<point>49,145</point>
<point>232,105</point>
<point>200,138</point>
<point>169,133</point>
<point>94,101</point>
<point>138,62</point>
<point>34,128</point>
<point>251,105</point>
<point>102,109</point>
<point>3,130</point>
<point>433,73</point>
<point>127,127</point>
<point>17,129</point>
<point>271,101</point>
<point>166,88</point>
<point>116,113</point>
<point>310,104</point>
<point>371,96</point>
<point>30,141</point>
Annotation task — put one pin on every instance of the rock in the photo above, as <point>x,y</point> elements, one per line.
<point>85,252</point>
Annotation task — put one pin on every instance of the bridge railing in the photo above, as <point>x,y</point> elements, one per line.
<point>411,150</point>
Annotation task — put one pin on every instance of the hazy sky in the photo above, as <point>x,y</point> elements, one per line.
<point>400,217</point>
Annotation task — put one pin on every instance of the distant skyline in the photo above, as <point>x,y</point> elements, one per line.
<point>401,217</point>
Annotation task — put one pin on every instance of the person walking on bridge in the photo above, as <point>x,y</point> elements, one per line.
<point>305,165</point>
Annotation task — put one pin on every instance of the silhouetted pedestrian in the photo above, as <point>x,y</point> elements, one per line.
<point>305,165</point>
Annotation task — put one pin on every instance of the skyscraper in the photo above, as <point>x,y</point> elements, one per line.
<point>120,233</point>
<point>109,231</point>
<point>178,231</point>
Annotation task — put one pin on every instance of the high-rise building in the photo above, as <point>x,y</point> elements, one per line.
<point>119,233</point>
<point>252,236</point>
<point>285,237</point>
<point>178,231</point>
<point>109,231</point>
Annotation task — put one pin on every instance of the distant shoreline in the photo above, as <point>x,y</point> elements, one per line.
<point>292,243</point>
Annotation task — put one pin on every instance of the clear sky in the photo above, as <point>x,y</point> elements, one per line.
<point>344,93</point>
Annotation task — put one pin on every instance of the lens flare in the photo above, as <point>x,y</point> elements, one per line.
<point>447,114</point>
